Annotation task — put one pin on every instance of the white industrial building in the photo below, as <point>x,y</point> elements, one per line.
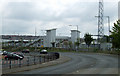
<point>56,40</point>
<point>50,40</point>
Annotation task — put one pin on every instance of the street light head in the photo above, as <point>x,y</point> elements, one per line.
<point>97,16</point>
<point>70,25</point>
<point>106,16</point>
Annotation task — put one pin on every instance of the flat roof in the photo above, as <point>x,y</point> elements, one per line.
<point>51,29</point>
<point>76,30</point>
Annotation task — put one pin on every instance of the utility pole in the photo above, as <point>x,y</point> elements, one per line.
<point>100,22</point>
<point>35,39</point>
<point>77,31</point>
<point>108,30</point>
<point>35,31</point>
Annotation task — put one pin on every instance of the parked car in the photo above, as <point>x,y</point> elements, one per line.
<point>43,51</point>
<point>20,54</point>
<point>54,54</point>
<point>26,51</point>
<point>57,55</point>
<point>5,53</point>
<point>13,56</point>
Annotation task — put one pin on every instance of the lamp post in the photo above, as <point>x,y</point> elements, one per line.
<point>108,30</point>
<point>35,31</point>
<point>108,24</point>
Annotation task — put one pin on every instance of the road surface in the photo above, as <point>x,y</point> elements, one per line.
<point>81,63</point>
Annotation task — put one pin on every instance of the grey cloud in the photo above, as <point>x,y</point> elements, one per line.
<point>25,12</point>
<point>19,10</point>
<point>15,26</point>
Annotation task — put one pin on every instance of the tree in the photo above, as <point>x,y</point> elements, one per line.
<point>53,44</point>
<point>88,39</point>
<point>115,34</point>
<point>70,44</point>
<point>66,44</point>
<point>107,38</point>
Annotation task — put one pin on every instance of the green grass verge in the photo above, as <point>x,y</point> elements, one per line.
<point>32,49</point>
<point>117,52</point>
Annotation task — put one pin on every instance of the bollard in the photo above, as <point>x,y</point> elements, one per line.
<point>34,59</point>
<point>10,64</point>
<point>27,61</point>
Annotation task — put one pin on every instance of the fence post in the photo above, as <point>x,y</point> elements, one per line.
<point>7,61</point>
<point>10,64</point>
<point>19,63</point>
<point>14,61</point>
<point>47,58</point>
<point>34,59</point>
<point>44,58</point>
<point>39,59</point>
<point>27,61</point>
<point>52,57</point>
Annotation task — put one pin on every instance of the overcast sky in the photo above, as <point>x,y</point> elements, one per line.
<point>23,16</point>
